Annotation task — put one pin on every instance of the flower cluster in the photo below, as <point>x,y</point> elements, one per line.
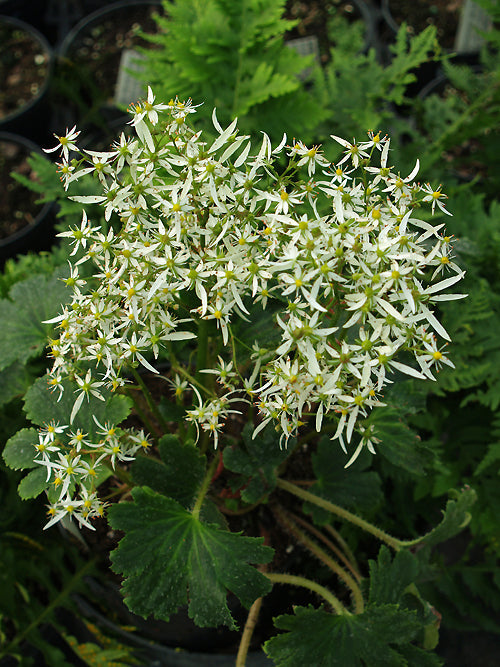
<point>74,463</point>
<point>214,232</point>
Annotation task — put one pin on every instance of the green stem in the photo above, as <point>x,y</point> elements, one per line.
<point>202,350</point>
<point>186,374</point>
<point>150,401</point>
<point>317,533</point>
<point>294,580</point>
<point>233,349</point>
<point>314,548</point>
<point>140,412</point>
<point>347,551</point>
<point>120,473</point>
<point>204,488</point>
<point>246,636</point>
<point>342,513</point>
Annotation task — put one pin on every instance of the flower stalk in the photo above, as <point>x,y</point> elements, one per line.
<point>295,580</point>
<point>342,513</point>
<point>285,519</point>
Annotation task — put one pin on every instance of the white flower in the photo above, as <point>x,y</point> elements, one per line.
<point>346,271</point>
<point>66,143</point>
<point>87,387</point>
<point>436,197</point>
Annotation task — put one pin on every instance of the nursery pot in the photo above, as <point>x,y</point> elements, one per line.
<point>178,643</point>
<point>25,72</point>
<point>312,34</point>
<point>32,12</point>
<point>90,59</point>
<point>364,12</point>
<point>419,15</point>
<point>24,223</point>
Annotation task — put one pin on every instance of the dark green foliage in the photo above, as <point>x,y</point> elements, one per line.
<point>49,186</point>
<point>257,460</point>
<point>355,488</point>
<point>178,474</point>
<point>361,91</point>
<point>23,335</point>
<point>231,55</point>
<point>399,444</point>
<point>37,580</point>
<point>383,634</point>
<point>456,517</point>
<point>169,557</point>
<point>43,405</point>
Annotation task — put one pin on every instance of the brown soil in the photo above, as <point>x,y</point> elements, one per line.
<point>94,56</point>
<point>24,66</point>
<point>314,16</point>
<point>18,207</point>
<point>418,14</point>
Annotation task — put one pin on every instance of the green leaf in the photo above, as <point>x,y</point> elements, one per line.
<point>42,406</point>
<point>370,639</point>
<point>22,333</point>
<point>178,475</point>
<point>354,488</point>
<point>456,517</point>
<point>418,657</point>
<point>257,460</point>
<point>409,55</point>
<point>491,456</point>
<point>399,444</point>
<point>392,581</point>
<point>20,450</point>
<point>14,381</point>
<point>263,84</point>
<point>169,558</point>
<point>171,411</point>
<point>390,578</point>
<point>33,484</point>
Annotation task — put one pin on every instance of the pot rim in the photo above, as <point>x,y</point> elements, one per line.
<point>65,45</point>
<point>28,106</point>
<point>7,137</point>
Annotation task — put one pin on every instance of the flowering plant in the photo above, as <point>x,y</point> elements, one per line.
<point>252,306</point>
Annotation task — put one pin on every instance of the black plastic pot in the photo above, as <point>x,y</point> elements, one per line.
<point>29,11</point>
<point>30,230</point>
<point>26,62</point>
<point>89,58</point>
<point>178,643</point>
<point>360,10</point>
<point>368,17</point>
<point>419,15</point>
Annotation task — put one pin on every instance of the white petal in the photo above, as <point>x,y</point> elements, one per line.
<point>445,283</point>
<point>408,370</point>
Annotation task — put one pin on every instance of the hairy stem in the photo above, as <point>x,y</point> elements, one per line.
<point>204,488</point>
<point>294,580</point>
<point>246,636</point>
<point>315,549</point>
<point>342,513</point>
<point>346,550</point>
<point>317,533</point>
<point>150,401</point>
